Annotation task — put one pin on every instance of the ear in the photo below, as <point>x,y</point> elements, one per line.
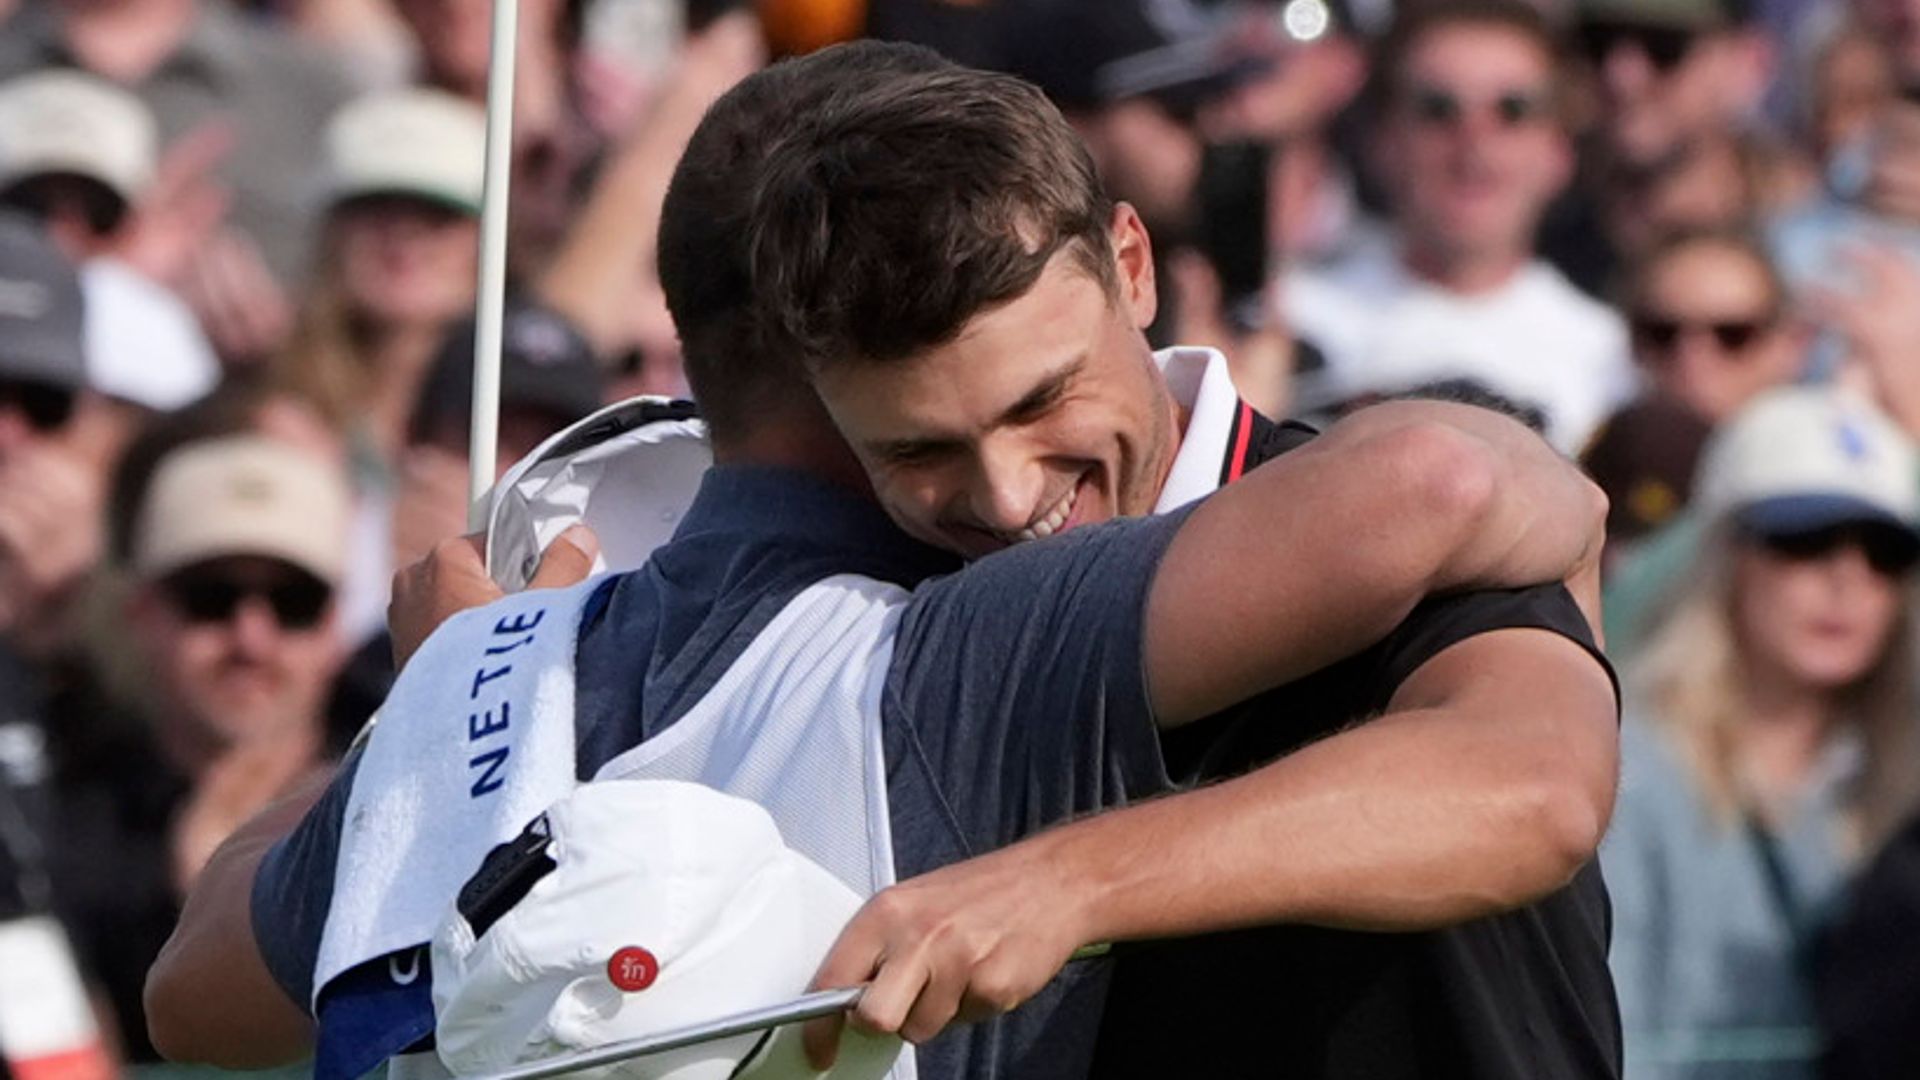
<point>1133,266</point>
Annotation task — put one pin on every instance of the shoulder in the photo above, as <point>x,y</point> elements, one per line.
<point>1548,292</point>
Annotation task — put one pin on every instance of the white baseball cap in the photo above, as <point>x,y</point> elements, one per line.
<point>631,908</point>
<point>1803,458</point>
<point>62,121</point>
<point>243,495</point>
<point>428,144</point>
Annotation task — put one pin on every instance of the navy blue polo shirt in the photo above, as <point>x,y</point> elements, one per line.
<point>1015,699</point>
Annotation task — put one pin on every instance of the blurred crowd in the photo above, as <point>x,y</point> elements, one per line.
<point>238,254</point>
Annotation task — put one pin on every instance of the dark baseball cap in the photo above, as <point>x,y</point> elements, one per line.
<point>1644,459</point>
<point>546,366</point>
<point>42,335</point>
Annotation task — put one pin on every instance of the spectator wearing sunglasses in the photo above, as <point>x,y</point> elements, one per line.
<point>1769,746</point>
<point>1710,324</point>
<point>78,157</point>
<point>1470,147</point>
<point>236,546</point>
<point>1671,73</point>
<point>56,440</point>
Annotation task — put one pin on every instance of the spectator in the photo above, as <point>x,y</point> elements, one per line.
<point>1672,73</point>
<point>1675,142</point>
<point>56,442</point>
<point>548,379</point>
<point>1852,77</point>
<point>398,259</point>
<point>237,544</point>
<point>1897,24</point>
<point>1875,202</point>
<point>1471,147</point>
<point>1711,324</point>
<point>1770,745</point>
<point>77,155</point>
<point>554,137</point>
<point>200,62</point>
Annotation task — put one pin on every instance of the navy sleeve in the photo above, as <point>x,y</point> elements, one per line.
<point>293,888</point>
<point>1018,687</point>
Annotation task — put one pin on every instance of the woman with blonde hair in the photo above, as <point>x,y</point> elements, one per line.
<point>398,260</point>
<point>1770,741</point>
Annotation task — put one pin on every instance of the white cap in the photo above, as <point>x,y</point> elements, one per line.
<point>425,143</point>
<point>243,495</point>
<point>652,905</point>
<point>64,121</point>
<point>1802,458</point>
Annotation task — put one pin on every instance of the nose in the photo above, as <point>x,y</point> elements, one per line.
<point>1625,69</point>
<point>254,627</point>
<point>15,431</point>
<point>1006,488</point>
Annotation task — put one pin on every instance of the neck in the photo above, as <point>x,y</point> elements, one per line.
<point>125,40</point>
<point>808,443</point>
<point>398,357</point>
<point>1466,273</point>
<point>1784,731</point>
<point>196,752</point>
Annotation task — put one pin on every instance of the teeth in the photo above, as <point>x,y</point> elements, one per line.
<point>1055,518</point>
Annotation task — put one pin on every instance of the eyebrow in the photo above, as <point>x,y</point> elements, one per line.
<point>1044,395</point>
<point>1030,407</point>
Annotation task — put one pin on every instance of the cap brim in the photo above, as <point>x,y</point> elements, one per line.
<point>1786,515</point>
<point>458,204</point>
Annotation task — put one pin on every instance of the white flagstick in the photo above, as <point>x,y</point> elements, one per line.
<point>482,444</point>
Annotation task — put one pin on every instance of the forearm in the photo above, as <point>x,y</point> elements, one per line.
<point>209,997</point>
<point>1424,817</point>
<point>611,244</point>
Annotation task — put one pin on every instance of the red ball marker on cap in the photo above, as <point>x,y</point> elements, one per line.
<point>632,968</point>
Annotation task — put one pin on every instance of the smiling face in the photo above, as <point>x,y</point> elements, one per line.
<point>1470,143</point>
<point>1045,413</point>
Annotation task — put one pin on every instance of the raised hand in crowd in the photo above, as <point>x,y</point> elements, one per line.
<point>608,253</point>
<point>183,208</point>
<point>1877,315</point>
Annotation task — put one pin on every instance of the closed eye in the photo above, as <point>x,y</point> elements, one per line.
<point>914,452</point>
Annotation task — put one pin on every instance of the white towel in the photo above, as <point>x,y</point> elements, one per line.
<point>474,741</point>
<point>477,735</point>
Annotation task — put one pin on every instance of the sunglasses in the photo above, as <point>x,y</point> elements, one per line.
<point>1660,334</point>
<point>1432,106</point>
<point>46,407</point>
<point>1665,47</point>
<point>297,601</point>
<point>1891,552</point>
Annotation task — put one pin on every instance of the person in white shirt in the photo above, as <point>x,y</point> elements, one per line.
<point>1470,149</point>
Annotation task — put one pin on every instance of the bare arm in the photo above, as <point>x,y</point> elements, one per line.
<point>209,997</point>
<point>1485,787</point>
<point>610,244</point>
<point>1320,553</point>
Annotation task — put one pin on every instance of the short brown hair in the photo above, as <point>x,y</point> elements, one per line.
<point>890,216</point>
<point>703,253</point>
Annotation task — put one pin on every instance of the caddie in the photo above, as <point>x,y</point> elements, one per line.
<point>773,649</point>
